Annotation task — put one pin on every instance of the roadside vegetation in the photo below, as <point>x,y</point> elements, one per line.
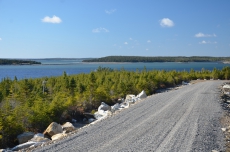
<point>159,59</point>
<point>32,104</point>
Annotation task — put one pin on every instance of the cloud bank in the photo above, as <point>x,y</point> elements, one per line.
<point>53,19</point>
<point>166,22</point>
<point>99,30</point>
<point>204,35</point>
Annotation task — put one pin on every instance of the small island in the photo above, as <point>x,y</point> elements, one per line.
<point>159,59</point>
<point>17,62</point>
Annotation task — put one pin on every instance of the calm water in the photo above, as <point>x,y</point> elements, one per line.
<point>56,67</point>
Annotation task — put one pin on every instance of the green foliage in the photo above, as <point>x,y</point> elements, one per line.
<point>31,104</point>
<point>158,59</point>
<point>13,61</point>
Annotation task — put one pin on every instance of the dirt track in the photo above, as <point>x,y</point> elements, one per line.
<point>182,120</point>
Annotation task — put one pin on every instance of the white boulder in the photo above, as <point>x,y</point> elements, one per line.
<point>68,127</point>
<point>104,107</point>
<point>58,136</point>
<point>23,138</point>
<point>23,146</point>
<point>115,107</point>
<point>99,115</point>
<point>142,95</point>
<point>124,105</point>
<point>130,98</point>
<point>39,139</point>
<point>226,86</point>
<point>39,135</point>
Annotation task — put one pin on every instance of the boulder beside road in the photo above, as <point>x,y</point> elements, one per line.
<point>52,129</point>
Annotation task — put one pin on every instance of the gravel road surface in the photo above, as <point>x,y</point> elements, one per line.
<point>177,121</point>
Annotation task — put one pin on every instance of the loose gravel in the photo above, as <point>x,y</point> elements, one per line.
<point>177,121</point>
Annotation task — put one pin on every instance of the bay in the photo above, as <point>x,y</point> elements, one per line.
<point>56,67</point>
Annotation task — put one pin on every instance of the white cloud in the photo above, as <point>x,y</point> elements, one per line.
<point>0,39</point>
<point>101,29</point>
<point>207,42</point>
<point>110,11</point>
<point>53,19</point>
<point>166,22</point>
<point>204,35</point>
<point>203,42</point>
<point>148,41</point>
<point>126,43</point>
<point>130,39</point>
<point>146,49</point>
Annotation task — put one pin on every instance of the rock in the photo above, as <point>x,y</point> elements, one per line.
<point>185,83</point>
<point>226,86</point>
<point>223,129</point>
<point>130,98</point>
<point>115,107</point>
<point>58,136</point>
<point>53,129</point>
<point>124,105</point>
<point>39,135</point>
<point>26,136</point>
<point>74,120</point>
<point>215,151</point>
<point>5,150</point>
<point>121,100</point>
<point>23,146</point>
<point>68,127</point>
<point>39,139</point>
<point>104,107</point>
<point>91,120</point>
<point>142,95</point>
<point>98,116</point>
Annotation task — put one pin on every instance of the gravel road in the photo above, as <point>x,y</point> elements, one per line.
<point>177,121</point>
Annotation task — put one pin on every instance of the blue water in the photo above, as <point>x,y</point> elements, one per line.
<point>56,67</point>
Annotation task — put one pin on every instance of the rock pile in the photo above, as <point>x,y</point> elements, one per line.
<point>105,110</point>
<point>53,132</point>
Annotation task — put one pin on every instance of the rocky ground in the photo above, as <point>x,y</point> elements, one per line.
<point>225,120</point>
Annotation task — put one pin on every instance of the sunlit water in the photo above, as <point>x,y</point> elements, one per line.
<point>56,67</point>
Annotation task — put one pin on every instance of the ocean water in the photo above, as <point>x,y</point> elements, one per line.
<point>56,67</point>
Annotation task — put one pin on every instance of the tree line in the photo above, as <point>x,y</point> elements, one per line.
<point>17,62</point>
<point>32,104</point>
<point>158,59</point>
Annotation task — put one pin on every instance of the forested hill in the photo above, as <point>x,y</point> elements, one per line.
<point>17,62</point>
<point>159,59</point>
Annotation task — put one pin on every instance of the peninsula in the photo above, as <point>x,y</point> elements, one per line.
<point>159,59</point>
<point>17,62</point>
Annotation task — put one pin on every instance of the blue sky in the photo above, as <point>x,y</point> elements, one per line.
<point>98,28</point>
